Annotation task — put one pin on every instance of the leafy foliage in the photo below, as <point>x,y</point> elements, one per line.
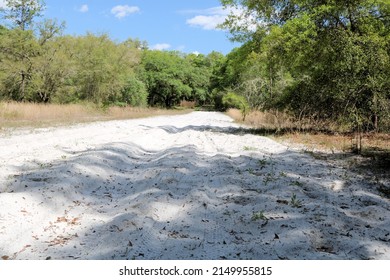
<point>323,61</point>
<point>134,93</point>
<point>68,69</point>
<point>171,77</point>
<point>234,101</point>
<point>19,50</point>
<point>38,64</point>
<point>21,13</point>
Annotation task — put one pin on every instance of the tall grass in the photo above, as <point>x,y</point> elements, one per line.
<point>283,129</point>
<point>13,114</point>
<point>264,120</point>
<point>188,104</point>
<point>31,112</point>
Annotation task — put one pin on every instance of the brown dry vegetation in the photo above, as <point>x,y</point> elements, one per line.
<point>283,129</point>
<point>188,104</point>
<point>14,114</point>
<point>264,120</point>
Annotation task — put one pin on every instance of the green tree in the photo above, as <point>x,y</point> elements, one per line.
<point>164,74</point>
<point>231,100</point>
<point>52,68</point>
<point>19,47</point>
<point>334,54</point>
<point>18,50</point>
<point>102,67</point>
<point>216,63</point>
<point>199,75</point>
<point>21,13</point>
<point>134,93</point>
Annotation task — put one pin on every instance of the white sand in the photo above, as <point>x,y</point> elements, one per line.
<point>180,187</point>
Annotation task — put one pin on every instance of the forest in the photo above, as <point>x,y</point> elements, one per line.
<point>321,62</point>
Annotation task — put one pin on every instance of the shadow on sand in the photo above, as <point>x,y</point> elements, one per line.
<point>180,203</point>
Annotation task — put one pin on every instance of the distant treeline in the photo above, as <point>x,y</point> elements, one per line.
<point>39,64</point>
<point>93,68</point>
<point>321,62</point>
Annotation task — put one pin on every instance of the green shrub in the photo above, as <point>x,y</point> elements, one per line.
<point>217,98</point>
<point>234,101</point>
<point>135,93</point>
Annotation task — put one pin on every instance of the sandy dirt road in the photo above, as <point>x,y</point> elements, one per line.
<point>180,187</point>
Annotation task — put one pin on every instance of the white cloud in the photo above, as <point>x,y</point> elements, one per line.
<point>207,22</point>
<point>124,11</point>
<point>217,11</point>
<point>196,53</point>
<point>84,8</point>
<point>160,47</point>
<point>210,19</point>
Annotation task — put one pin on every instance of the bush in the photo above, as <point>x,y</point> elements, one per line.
<point>217,98</point>
<point>135,93</point>
<point>234,101</point>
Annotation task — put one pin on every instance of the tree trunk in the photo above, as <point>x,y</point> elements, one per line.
<point>22,86</point>
<point>375,122</point>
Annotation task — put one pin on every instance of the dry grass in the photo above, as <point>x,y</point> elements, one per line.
<point>372,143</point>
<point>14,114</point>
<point>280,127</point>
<point>264,120</point>
<point>188,104</point>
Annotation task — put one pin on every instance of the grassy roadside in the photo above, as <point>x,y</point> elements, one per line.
<point>281,128</point>
<point>19,115</point>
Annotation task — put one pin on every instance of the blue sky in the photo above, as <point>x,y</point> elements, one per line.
<point>183,25</point>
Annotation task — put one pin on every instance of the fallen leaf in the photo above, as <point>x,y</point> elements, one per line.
<point>62,220</point>
<point>74,221</point>
<point>5,258</point>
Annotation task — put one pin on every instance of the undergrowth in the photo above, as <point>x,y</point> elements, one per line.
<point>283,129</point>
